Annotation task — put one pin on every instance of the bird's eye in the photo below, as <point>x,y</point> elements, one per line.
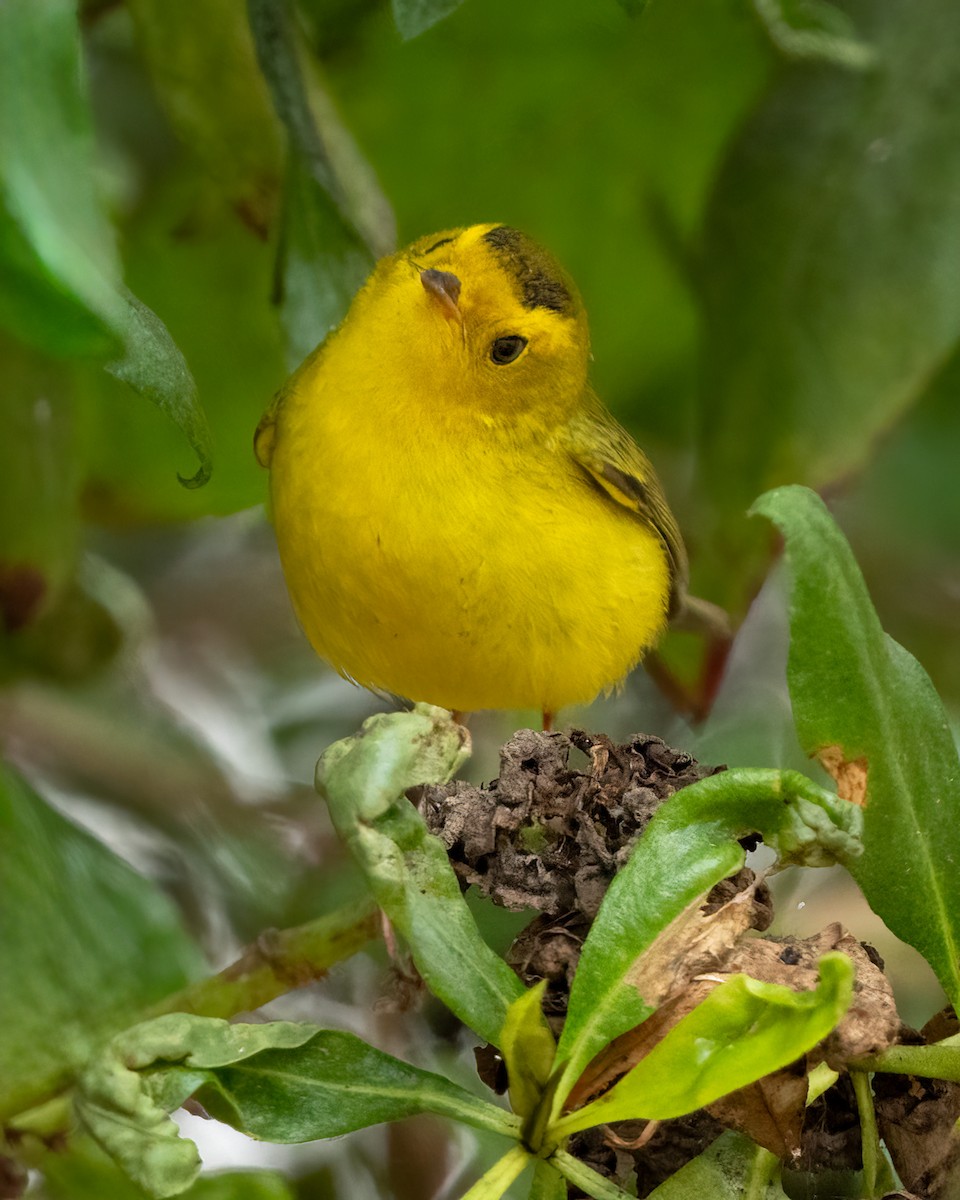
<point>506,349</point>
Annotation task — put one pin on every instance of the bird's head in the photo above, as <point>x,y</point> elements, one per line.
<point>481,317</point>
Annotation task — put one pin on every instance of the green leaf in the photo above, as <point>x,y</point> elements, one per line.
<point>87,944</point>
<point>364,779</point>
<point>529,1048</point>
<point>60,260</point>
<point>724,1171</point>
<point>153,366</point>
<point>742,1031</point>
<point>414,16</point>
<point>53,228</point>
<point>633,8</point>
<point>548,1183</point>
<point>83,1172</point>
<point>218,104</point>
<point>322,263</point>
<point>280,1082</point>
<point>868,709</point>
<point>323,255</point>
<point>213,287</point>
<point>690,845</point>
<point>827,297</point>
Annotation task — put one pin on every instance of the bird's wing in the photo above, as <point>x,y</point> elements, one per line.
<point>266,432</point>
<point>615,462</point>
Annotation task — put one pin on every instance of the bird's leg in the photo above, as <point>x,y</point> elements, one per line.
<point>548,721</point>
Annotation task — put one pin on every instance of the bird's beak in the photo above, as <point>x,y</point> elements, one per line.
<point>445,288</point>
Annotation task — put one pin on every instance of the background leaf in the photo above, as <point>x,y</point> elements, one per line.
<point>87,944</point>
<point>827,304</point>
<point>62,236</point>
<point>414,16</point>
<point>856,690</point>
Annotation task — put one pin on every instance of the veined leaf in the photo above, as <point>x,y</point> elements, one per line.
<point>742,1031</point>
<point>690,845</point>
<point>281,1082</point>
<point>868,710</point>
<point>364,779</point>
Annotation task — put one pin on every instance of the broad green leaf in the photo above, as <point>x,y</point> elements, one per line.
<point>38,306</point>
<point>87,944</point>
<point>529,1048</point>
<point>548,1183</point>
<point>322,263</point>
<point>153,366</point>
<point>868,710</point>
<point>724,1171</point>
<point>690,845</point>
<point>83,1172</point>
<point>827,297</point>
<point>213,288</point>
<point>59,258</point>
<point>60,238</point>
<point>414,16</point>
<point>742,1031</point>
<point>280,1082</point>
<point>323,256</point>
<point>218,103</point>
<point>363,780</point>
<point>125,1108</point>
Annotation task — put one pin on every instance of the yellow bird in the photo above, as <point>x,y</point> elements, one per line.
<point>459,518</point>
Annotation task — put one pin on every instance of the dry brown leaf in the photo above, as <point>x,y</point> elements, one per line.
<point>769,1111</point>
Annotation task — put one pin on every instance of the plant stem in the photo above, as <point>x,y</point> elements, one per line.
<point>869,1137</point>
<point>277,962</point>
<point>939,1061</point>
<point>495,1182</point>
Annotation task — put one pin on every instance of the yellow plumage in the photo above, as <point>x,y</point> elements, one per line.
<point>460,521</point>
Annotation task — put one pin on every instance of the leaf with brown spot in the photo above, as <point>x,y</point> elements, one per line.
<point>850,775</point>
<point>857,692</point>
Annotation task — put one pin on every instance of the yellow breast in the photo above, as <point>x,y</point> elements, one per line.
<point>447,550</point>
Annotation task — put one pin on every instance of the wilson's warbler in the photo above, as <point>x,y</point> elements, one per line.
<point>459,518</point>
